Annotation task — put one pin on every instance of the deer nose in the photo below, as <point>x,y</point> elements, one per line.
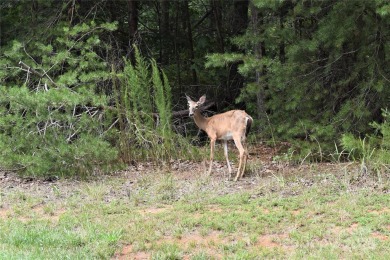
<point>191,114</point>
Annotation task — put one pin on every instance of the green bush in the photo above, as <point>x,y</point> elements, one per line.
<point>374,149</point>
<point>52,117</point>
<point>66,111</point>
<point>54,132</point>
<point>383,140</point>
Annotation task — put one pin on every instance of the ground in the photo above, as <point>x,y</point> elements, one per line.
<point>278,210</point>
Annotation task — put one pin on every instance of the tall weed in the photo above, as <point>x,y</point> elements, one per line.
<point>143,103</point>
<point>372,150</point>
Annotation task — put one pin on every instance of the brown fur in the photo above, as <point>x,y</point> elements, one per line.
<point>233,124</point>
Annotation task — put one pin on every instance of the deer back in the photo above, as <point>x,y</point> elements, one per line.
<point>228,124</point>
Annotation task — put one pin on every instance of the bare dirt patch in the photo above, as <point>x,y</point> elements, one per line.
<point>127,253</point>
<point>195,242</point>
<point>272,240</point>
<point>52,215</point>
<point>380,236</point>
<point>196,239</point>
<point>352,228</point>
<point>191,243</point>
<point>155,210</point>
<point>380,212</point>
<point>38,212</point>
<point>4,213</point>
<point>296,212</point>
<point>215,209</point>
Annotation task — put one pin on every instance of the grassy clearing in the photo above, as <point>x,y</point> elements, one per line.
<point>317,212</point>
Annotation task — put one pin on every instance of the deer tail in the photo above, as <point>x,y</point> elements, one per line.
<point>249,121</point>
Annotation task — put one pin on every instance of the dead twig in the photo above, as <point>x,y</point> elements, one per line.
<point>32,70</point>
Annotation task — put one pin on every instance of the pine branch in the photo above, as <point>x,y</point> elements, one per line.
<point>32,70</point>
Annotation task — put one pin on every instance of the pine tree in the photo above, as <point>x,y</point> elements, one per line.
<point>324,67</point>
<point>52,114</point>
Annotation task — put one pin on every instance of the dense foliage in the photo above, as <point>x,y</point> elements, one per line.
<point>143,106</point>
<point>52,119</point>
<point>84,84</point>
<point>319,68</point>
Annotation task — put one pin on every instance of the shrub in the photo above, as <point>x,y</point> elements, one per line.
<point>54,132</point>
<point>52,120</point>
<point>373,149</point>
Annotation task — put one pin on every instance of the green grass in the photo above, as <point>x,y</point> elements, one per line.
<point>312,215</point>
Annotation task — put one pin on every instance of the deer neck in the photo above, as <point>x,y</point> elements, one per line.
<point>200,120</point>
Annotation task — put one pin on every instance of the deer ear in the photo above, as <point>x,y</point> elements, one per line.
<point>188,98</point>
<point>202,99</point>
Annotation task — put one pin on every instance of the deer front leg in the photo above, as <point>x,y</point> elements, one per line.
<point>212,145</point>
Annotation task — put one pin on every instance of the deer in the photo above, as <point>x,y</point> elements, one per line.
<point>231,125</point>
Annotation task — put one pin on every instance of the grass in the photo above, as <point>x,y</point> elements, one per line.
<point>315,213</point>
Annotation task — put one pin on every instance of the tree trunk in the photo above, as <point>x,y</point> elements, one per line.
<point>217,9</point>
<point>133,26</point>
<point>283,12</point>
<point>259,49</point>
<point>239,26</point>
<point>240,17</point>
<point>176,45</point>
<point>164,32</point>
<point>186,14</point>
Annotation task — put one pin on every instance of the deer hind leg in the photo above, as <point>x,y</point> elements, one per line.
<point>225,149</point>
<point>245,159</point>
<point>212,146</point>
<point>242,151</point>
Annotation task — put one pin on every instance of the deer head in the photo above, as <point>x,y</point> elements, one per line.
<point>194,106</point>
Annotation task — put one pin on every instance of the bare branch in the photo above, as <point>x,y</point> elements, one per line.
<point>32,70</point>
